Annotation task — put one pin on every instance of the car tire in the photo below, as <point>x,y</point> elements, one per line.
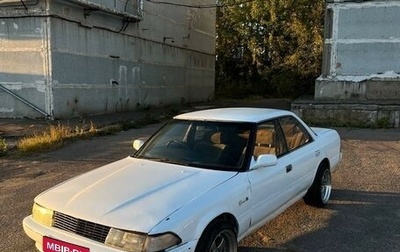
<point>320,191</point>
<point>218,236</point>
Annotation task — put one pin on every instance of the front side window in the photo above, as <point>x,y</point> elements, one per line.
<point>269,140</point>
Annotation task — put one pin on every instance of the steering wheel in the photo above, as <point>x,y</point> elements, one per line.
<point>178,143</point>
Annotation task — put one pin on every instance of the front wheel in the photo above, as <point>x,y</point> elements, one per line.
<point>218,237</point>
<point>320,191</point>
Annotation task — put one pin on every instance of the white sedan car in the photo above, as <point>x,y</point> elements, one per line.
<point>201,183</point>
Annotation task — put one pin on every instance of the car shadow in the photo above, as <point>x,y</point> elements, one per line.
<point>358,221</point>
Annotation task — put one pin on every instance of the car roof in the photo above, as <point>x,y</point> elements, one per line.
<point>253,115</point>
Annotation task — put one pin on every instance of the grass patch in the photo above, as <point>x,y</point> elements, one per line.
<point>383,123</point>
<point>3,147</point>
<point>58,135</point>
<point>54,137</point>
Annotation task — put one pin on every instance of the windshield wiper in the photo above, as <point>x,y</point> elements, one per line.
<point>165,160</point>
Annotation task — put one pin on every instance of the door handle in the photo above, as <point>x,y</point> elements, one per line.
<point>289,168</point>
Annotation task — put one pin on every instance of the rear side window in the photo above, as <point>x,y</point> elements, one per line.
<point>295,133</point>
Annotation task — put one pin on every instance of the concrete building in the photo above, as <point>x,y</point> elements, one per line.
<point>70,58</point>
<point>360,80</point>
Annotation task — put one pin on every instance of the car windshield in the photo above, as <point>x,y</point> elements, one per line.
<point>211,145</point>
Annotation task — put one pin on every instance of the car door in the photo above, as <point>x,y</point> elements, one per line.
<point>300,159</point>
<point>268,184</point>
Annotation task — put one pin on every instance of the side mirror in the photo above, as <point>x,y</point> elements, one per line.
<point>264,160</point>
<point>137,144</point>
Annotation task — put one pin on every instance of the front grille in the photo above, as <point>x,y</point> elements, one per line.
<point>84,228</point>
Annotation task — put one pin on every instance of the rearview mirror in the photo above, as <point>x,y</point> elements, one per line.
<point>264,160</point>
<point>137,144</point>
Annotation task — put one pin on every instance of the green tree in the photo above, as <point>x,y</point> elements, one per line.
<point>270,47</point>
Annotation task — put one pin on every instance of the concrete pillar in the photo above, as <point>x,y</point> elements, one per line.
<point>361,51</point>
<point>360,80</point>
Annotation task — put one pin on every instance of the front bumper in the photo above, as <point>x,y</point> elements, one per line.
<point>36,231</point>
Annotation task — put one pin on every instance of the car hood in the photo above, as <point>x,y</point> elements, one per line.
<point>131,194</point>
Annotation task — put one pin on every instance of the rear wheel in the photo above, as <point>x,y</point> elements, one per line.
<point>219,236</point>
<point>320,191</point>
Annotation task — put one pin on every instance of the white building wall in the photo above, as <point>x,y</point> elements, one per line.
<point>83,57</point>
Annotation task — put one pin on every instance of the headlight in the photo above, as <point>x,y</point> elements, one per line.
<point>42,215</point>
<point>135,242</point>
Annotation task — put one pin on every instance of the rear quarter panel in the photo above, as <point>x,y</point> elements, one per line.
<point>328,141</point>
